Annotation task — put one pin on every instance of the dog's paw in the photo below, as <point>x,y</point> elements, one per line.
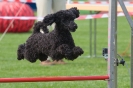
<point>78,51</point>
<point>20,58</point>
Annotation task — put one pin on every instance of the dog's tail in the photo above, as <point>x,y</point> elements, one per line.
<point>20,52</point>
<point>39,27</point>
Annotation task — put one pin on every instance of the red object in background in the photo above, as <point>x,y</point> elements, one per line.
<point>15,9</point>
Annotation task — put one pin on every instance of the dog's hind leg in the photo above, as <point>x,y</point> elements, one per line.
<point>20,52</point>
<point>42,57</point>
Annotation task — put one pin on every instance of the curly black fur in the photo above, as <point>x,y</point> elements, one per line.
<point>57,44</point>
<point>39,25</point>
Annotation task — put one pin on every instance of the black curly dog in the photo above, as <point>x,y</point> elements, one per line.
<point>57,44</point>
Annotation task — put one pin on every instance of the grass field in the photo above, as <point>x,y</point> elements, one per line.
<point>82,66</point>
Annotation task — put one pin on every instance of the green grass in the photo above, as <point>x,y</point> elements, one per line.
<point>82,66</point>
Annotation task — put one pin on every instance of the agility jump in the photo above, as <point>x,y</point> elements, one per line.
<point>112,63</point>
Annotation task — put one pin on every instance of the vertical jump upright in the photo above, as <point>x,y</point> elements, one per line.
<point>112,44</point>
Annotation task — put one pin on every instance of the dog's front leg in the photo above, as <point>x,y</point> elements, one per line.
<point>55,55</point>
<point>65,50</point>
<point>77,51</point>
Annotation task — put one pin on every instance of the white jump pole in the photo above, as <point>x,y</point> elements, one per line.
<point>112,44</point>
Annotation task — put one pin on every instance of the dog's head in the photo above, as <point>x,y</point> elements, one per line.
<point>64,19</point>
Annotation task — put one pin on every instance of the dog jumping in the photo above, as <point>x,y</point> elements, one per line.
<point>57,44</point>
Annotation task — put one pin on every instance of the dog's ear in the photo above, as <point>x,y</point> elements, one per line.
<point>49,19</point>
<point>60,15</point>
<point>75,11</point>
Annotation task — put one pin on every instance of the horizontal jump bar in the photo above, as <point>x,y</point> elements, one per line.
<point>50,79</point>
